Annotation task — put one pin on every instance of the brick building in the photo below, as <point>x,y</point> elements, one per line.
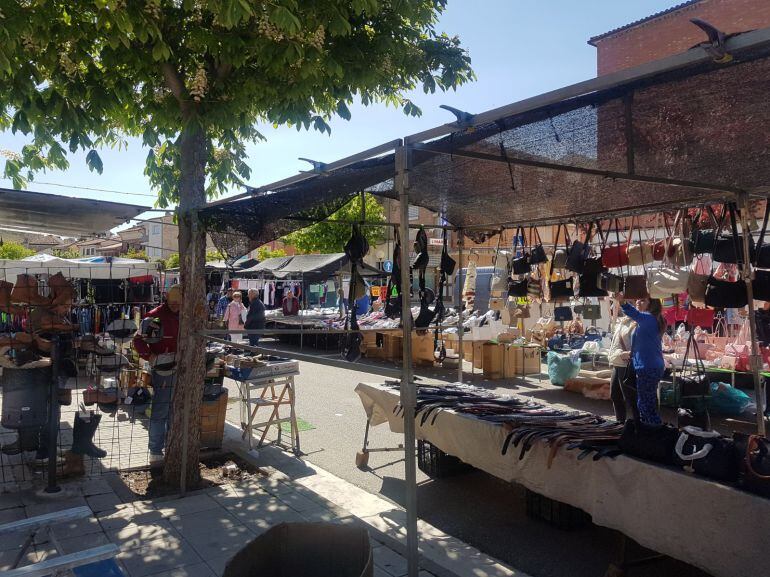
<point>670,32</point>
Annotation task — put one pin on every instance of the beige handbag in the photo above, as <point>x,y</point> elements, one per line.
<point>642,252</point>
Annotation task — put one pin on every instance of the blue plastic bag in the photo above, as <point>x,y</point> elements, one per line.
<point>561,368</point>
<point>727,400</point>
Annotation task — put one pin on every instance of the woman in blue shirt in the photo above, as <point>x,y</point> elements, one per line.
<point>647,354</point>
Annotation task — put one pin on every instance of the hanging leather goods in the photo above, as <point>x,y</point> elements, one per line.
<point>729,248</point>
<point>590,279</point>
<point>579,251</point>
<point>559,260</point>
<point>615,255</point>
<point>520,264</point>
<point>537,253</point>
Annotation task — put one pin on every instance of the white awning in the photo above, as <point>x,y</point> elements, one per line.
<point>103,268</point>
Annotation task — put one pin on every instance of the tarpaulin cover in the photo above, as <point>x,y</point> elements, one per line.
<point>308,267</point>
<point>108,268</point>
<point>705,126</point>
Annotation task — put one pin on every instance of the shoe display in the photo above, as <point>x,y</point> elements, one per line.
<point>25,291</point>
<point>83,436</point>
<point>62,292</point>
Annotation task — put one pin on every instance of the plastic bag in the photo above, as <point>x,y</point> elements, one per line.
<point>561,368</point>
<point>727,400</point>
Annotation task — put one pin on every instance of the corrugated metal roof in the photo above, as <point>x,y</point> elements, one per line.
<point>592,41</point>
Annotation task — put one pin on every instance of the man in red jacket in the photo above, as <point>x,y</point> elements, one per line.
<point>156,342</point>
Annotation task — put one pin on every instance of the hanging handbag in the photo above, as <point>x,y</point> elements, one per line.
<point>561,314</point>
<point>649,442</point>
<point>534,288</point>
<point>635,287</point>
<point>611,283</point>
<point>696,286</point>
<point>729,248</point>
<point>579,252</point>
<point>761,285</point>
<point>590,279</point>
<point>639,253</point>
<point>707,453</point>
<point>518,288</point>
<point>559,260</point>
<point>537,253</point>
<point>616,255</point>
<point>702,239</point>
<point>521,312</point>
<point>562,289</point>
<point>590,312</point>
<point>753,453</point>
<point>669,279</point>
<point>520,263</point>
<point>699,317</point>
<point>722,294</point>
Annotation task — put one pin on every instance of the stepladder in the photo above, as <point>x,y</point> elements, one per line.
<point>267,403</point>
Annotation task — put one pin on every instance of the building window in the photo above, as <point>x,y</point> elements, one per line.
<point>89,251</point>
<point>414,212</point>
<point>155,229</point>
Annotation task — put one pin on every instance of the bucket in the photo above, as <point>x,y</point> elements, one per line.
<point>305,550</point>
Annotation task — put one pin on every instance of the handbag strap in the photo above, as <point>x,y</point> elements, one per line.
<point>641,245</point>
<point>764,229</point>
<point>700,368</point>
<point>534,233</point>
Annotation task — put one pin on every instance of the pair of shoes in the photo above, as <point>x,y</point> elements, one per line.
<point>83,436</point>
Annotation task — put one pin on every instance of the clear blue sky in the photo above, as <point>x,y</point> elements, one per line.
<point>519,48</point>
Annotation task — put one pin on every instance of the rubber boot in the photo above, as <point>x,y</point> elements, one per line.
<point>83,437</point>
<point>73,465</point>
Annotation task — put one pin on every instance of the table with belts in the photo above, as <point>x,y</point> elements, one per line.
<point>715,527</point>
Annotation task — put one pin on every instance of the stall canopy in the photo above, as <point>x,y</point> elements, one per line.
<point>23,210</point>
<point>311,268</point>
<point>87,268</point>
<point>685,130</point>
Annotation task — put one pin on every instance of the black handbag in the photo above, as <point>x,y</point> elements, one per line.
<point>650,442</point>
<point>761,285</point>
<point>729,248</point>
<point>562,289</point>
<point>521,264</point>
<point>722,294</point>
<point>518,288</point>
<point>357,246</point>
<point>561,314</point>
<point>702,240</point>
<point>579,252</point>
<point>537,254</point>
<point>707,453</point>
<point>753,455</point>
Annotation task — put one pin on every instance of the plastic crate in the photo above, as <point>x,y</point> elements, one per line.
<point>436,463</point>
<point>556,513</point>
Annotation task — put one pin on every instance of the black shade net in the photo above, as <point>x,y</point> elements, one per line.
<point>685,137</point>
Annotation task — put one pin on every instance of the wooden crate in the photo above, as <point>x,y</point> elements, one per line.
<point>213,422</point>
<point>492,360</point>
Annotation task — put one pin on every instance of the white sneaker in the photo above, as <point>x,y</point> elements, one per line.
<point>156,458</point>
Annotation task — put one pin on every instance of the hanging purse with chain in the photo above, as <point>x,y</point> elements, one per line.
<point>520,264</point>
<point>537,253</point>
<point>729,248</point>
<point>702,239</point>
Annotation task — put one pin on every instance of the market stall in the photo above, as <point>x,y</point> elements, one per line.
<point>648,140</point>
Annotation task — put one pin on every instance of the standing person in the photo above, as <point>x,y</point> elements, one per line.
<point>622,395</point>
<point>290,305</point>
<point>233,316</point>
<point>222,303</point>
<point>343,306</point>
<point>647,354</point>
<point>255,317</point>
<point>156,342</point>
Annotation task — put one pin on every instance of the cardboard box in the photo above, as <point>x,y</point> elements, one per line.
<point>422,349</point>
<point>531,360</point>
<point>213,422</point>
<point>393,345</point>
<point>492,360</point>
<point>513,361</point>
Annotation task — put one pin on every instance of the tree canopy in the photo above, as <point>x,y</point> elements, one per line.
<point>192,79</point>
<point>328,237</point>
<point>14,251</point>
<point>85,74</point>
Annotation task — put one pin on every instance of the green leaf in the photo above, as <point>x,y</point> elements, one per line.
<point>343,110</point>
<point>94,162</point>
<point>159,51</point>
<point>285,20</point>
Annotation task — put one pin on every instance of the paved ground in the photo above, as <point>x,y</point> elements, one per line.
<point>476,508</point>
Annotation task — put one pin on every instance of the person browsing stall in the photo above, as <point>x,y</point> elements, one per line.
<point>255,317</point>
<point>647,354</point>
<point>290,305</point>
<point>156,342</point>
<point>619,355</point>
<point>233,316</point>
<point>222,303</point>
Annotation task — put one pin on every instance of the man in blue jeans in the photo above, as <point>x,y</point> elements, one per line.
<point>156,342</point>
<point>255,317</point>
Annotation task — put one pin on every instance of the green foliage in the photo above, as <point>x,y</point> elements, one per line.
<point>65,253</point>
<point>85,74</point>
<point>328,237</point>
<point>172,261</point>
<point>265,252</point>
<point>214,255</point>
<point>136,254</point>
<point>14,251</point>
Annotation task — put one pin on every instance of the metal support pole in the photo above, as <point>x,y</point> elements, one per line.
<point>408,392</point>
<point>755,360</point>
<point>460,329</point>
<point>53,416</point>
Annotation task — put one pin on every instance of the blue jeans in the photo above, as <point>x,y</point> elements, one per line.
<point>647,395</point>
<point>254,340</point>
<point>162,394</point>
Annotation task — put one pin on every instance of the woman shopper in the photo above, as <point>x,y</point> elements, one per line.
<point>622,394</point>
<point>233,316</point>
<point>647,354</point>
<point>255,317</point>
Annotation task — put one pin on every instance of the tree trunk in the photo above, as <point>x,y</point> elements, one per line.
<point>191,364</point>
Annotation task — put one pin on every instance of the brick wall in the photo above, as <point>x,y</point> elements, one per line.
<point>674,33</point>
